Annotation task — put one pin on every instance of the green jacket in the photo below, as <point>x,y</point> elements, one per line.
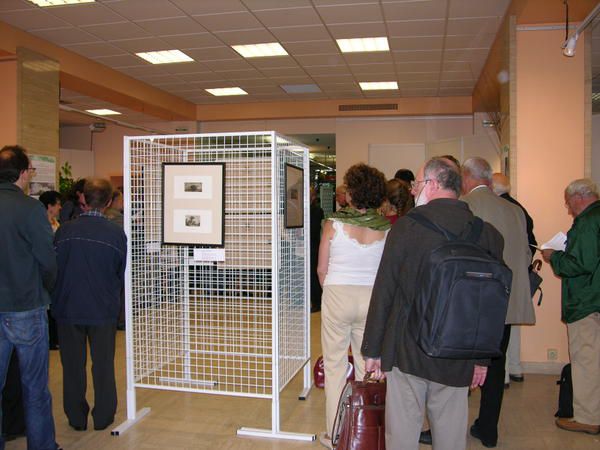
<point>579,266</point>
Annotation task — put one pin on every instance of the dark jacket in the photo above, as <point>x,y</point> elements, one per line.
<point>406,250</point>
<point>91,255</point>
<point>579,266</point>
<point>528,222</point>
<point>29,262</point>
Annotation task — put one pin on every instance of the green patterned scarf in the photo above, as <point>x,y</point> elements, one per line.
<point>369,218</point>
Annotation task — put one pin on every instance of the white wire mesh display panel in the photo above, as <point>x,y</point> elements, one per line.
<point>219,327</point>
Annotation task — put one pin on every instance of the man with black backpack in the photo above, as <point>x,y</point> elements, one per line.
<point>509,220</point>
<point>424,373</point>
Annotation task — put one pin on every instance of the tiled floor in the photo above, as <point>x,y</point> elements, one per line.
<point>197,421</point>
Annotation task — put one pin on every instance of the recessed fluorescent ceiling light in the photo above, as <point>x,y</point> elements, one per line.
<point>103,112</point>
<point>300,88</point>
<point>44,3</point>
<point>378,85</point>
<point>377,44</point>
<point>227,91</point>
<point>260,50</point>
<point>165,57</point>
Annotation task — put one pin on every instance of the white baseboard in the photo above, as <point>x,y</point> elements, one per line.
<point>544,368</point>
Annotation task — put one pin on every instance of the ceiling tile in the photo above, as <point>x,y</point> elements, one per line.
<point>418,66</point>
<point>256,5</point>
<point>244,74</point>
<point>274,61</point>
<point>65,36</point>
<point>257,82</point>
<point>342,2</point>
<point>144,9</point>
<point>147,70</point>
<point>327,70</point>
<point>358,13</point>
<point>360,69</point>
<point>292,80</point>
<point>320,60</point>
<point>213,53</point>
<point>446,76</point>
<point>283,71</point>
<point>188,41</point>
<point>465,41</point>
<point>157,80</point>
<point>263,89</point>
<point>417,56</point>
<point>370,77</point>
<point>116,31</point>
<point>300,33</point>
<point>142,45</point>
<point>426,9</point>
<point>196,7</point>
<point>32,19</point>
<point>404,28</point>
<point>328,78</point>
<point>473,25</point>
<point>368,57</point>
<point>289,17</point>
<point>171,26</point>
<point>187,67</point>
<point>418,76</point>
<point>229,21</point>
<point>458,66</point>
<point>311,48</point>
<point>419,92</point>
<point>465,54</point>
<point>121,61</point>
<point>455,91</point>
<point>201,77</point>
<point>335,87</point>
<point>244,37</point>
<point>86,14</point>
<point>418,84</point>
<point>416,43</point>
<point>367,29</point>
<point>227,64</point>
<point>95,49</point>
<point>479,8</point>
<point>9,5</point>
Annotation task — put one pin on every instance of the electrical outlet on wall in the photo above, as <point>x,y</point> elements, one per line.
<point>552,354</point>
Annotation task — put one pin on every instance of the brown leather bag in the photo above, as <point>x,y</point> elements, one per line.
<point>360,419</point>
<point>319,371</point>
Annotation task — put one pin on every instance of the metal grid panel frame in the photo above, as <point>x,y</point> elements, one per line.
<point>220,327</point>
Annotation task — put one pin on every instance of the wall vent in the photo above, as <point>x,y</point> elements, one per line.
<point>371,107</point>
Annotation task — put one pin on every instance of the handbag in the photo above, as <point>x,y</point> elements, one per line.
<point>360,419</point>
<point>535,280</point>
<point>319,371</point>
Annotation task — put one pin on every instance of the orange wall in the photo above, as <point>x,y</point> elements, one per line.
<point>550,154</point>
<point>8,105</point>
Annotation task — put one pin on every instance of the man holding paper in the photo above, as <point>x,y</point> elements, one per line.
<point>578,266</point>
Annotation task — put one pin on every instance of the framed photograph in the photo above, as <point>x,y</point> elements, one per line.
<point>193,204</point>
<point>294,197</point>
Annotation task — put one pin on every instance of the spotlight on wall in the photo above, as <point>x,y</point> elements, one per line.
<point>488,123</point>
<point>569,46</point>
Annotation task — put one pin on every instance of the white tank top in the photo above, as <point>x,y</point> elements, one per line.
<point>350,262</point>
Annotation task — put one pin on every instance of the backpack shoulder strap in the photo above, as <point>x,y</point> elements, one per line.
<point>476,229</point>
<point>427,223</point>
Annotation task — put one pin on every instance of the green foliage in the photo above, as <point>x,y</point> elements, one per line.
<point>65,179</point>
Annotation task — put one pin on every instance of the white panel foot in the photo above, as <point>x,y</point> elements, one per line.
<point>130,422</point>
<point>304,394</point>
<point>258,432</point>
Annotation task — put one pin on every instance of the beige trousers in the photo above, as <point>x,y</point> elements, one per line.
<point>584,350</point>
<point>343,316</point>
<point>408,398</point>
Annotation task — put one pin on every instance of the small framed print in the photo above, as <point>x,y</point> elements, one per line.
<point>193,204</point>
<point>294,197</point>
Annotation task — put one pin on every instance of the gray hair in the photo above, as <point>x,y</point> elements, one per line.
<point>584,187</point>
<point>445,173</point>
<point>478,168</point>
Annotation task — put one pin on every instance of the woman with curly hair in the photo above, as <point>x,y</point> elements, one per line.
<point>349,254</point>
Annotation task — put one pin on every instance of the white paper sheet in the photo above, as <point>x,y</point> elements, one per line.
<point>558,242</point>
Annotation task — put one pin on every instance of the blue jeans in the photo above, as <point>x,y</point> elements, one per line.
<point>27,332</point>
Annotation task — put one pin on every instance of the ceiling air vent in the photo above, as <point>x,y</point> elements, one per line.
<point>373,107</point>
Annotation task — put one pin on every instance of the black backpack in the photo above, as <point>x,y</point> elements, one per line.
<point>460,307</point>
<point>565,393</point>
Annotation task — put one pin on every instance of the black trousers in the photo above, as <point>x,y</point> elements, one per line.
<point>492,393</point>
<point>13,414</point>
<point>73,356</point>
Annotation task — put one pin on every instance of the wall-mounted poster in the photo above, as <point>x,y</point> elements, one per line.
<point>294,197</point>
<point>193,204</point>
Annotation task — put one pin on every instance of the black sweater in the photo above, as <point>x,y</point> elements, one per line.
<point>91,253</point>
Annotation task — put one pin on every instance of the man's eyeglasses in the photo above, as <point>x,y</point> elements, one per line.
<point>415,183</point>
